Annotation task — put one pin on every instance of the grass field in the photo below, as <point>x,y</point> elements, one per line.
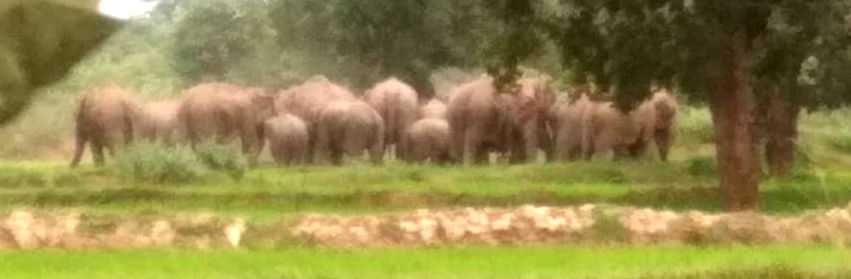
<point>457,262</point>
<point>270,195</point>
<point>274,193</point>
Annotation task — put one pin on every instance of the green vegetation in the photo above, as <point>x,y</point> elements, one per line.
<point>151,163</point>
<point>461,262</point>
<point>276,43</point>
<point>274,193</point>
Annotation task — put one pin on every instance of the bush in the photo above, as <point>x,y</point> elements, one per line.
<point>222,158</point>
<point>153,163</point>
<point>840,139</point>
<point>704,166</point>
<point>694,125</point>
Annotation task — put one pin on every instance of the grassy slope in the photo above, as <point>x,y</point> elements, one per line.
<point>459,262</point>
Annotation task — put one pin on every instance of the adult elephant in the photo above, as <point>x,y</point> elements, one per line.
<point>349,127</point>
<point>658,115</point>
<point>476,119</point>
<point>217,111</point>
<point>105,117</point>
<point>607,129</point>
<point>396,102</point>
<point>566,123</point>
<point>482,120</point>
<point>158,121</point>
<point>307,99</point>
<point>539,96</point>
<point>629,134</point>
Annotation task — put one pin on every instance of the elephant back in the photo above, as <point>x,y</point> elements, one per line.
<point>305,100</point>
<point>433,109</point>
<point>109,106</point>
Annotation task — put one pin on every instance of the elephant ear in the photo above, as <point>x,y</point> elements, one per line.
<point>527,109</point>
<point>264,106</point>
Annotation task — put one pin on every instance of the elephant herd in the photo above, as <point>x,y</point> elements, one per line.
<point>320,122</point>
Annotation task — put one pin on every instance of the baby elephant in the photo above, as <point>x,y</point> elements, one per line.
<point>349,127</point>
<point>427,139</point>
<point>287,135</point>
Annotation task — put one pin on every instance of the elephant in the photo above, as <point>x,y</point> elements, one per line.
<point>396,102</point>
<point>664,115</point>
<point>433,109</point>
<point>427,139</point>
<point>476,120</point>
<point>566,123</point>
<point>158,122</point>
<point>535,129</point>
<point>630,134</point>
<point>287,136</point>
<point>218,111</point>
<point>482,120</point>
<point>105,118</point>
<point>306,100</point>
<point>606,128</point>
<point>349,127</point>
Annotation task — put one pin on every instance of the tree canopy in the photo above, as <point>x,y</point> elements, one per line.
<point>715,49</point>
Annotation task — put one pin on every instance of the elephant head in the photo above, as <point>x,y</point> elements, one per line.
<point>263,106</point>
<point>525,108</point>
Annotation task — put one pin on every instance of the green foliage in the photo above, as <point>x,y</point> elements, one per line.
<point>367,40</point>
<point>694,126</point>
<point>153,163</point>
<point>33,177</point>
<point>840,139</point>
<point>43,130</point>
<point>222,158</point>
<point>702,166</point>
<point>219,39</point>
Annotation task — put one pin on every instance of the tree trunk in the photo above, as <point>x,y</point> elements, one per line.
<point>733,104</point>
<point>781,128</point>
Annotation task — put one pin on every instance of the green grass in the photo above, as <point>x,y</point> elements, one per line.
<point>445,263</point>
<point>274,193</point>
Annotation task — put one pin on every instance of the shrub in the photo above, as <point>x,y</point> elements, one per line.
<point>840,139</point>
<point>702,166</point>
<point>694,125</point>
<point>153,163</point>
<point>222,158</point>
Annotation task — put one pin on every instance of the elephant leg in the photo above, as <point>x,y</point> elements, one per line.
<point>79,147</point>
<point>276,153</point>
<point>548,146</point>
<point>517,150</point>
<point>663,142</point>
<point>637,149</point>
<point>337,157</point>
<point>322,146</point>
<point>97,152</point>
<point>471,148</point>
<point>456,144</point>
<point>312,136</point>
<point>376,150</point>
